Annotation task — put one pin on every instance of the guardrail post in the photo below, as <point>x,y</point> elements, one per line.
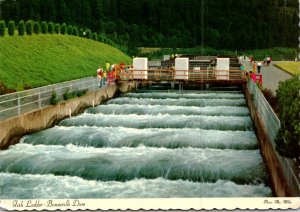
<point>19,104</point>
<point>40,102</point>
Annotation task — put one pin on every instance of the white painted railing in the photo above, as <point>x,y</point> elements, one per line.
<point>25,101</point>
<point>272,125</point>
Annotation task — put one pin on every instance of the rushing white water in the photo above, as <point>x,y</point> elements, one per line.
<point>161,121</point>
<point>179,102</point>
<point>195,144</point>
<point>50,186</point>
<point>171,110</point>
<point>152,137</point>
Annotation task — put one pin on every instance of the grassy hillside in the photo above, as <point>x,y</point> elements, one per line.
<point>290,67</point>
<point>37,60</point>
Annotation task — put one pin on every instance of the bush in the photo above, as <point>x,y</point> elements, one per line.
<point>11,28</point>
<point>21,28</point>
<point>57,28</point>
<point>69,95</point>
<point>100,38</point>
<point>63,29</point>
<point>75,31</point>
<point>29,27</point>
<point>54,98</point>
<point>89,34</point>
<point>50,27</point>
<point>80,32</point>
<point>95,36</point>
<point>44,27</point>
<point>70,30</point>
<point>36,27</point>
<point>289,109</point>
<point>2,28</point>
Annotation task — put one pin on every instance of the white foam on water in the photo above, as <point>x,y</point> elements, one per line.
<point>180,102</point>
<point>206,95</point>
<point>207,165</point>
<point>153,137</point>
<point>167,109</point>
<point>161,121</point>
<point>15,186</point>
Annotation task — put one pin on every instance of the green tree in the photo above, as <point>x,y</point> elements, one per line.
<point>80,32</point>
<point>11,28</point>
<point>50,27</point>
<point>57,28</point>
<point>95,36</point>
<point>29,27</point>
<point>2,28</point>
<point>21,28</point>
<point>36,27</point>
<point>63,29</point>
<point>70,30</point>
<point>88,34</point>
<point>289,109</point>
<point>44,27</point>
<point>75,31</point>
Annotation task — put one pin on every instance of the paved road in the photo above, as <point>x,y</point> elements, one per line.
<point>271,75</point>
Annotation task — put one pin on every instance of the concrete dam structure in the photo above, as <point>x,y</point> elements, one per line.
<point>142,144</point>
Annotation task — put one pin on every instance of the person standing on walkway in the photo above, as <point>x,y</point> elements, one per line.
<point>251,60</point>
<point>268,61</point>
<point>254,66</point>
<point>99,76</point>
<point>258,67</point>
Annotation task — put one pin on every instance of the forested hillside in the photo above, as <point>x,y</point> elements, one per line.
<point>222,24</point>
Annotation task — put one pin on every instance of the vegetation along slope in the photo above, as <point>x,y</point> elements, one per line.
<point>37,60</point>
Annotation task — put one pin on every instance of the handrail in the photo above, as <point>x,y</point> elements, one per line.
<point>187,75</point>
<point>37,96</point>
<point>272,125</point>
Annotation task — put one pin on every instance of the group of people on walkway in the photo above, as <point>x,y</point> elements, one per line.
<point>254,73</point>
<point>111,73</point>
<point>256,66</point>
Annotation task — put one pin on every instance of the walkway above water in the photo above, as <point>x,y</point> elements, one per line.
<point>271,75</point>
<point>186,76</point>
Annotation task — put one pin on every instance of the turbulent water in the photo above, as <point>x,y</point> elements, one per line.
<point>142,145</point>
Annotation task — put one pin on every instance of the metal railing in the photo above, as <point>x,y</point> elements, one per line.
<point>269,118</point>
<point>235,76</point>
<point>25,101</point>
<point>272,125</point>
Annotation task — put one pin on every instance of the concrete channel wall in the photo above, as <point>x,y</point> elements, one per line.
<point>11,130</point>
<point>284,181</point>
<point>282,178</point>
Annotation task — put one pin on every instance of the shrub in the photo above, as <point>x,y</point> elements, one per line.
<point>36,27</point>
<point>70,30</point>
<point>100,38</point>
<point>50,27</point>
<point>75,31</point>
<point>89,34</point>
<point>289,109</point>
<point>81,92</point>
<point>80,32</point>
<point>57,28</point>
<point>95,36</point>
<point>54,98</point>
<point>63,29</point>
<point>21,28</point>
<point>44,27</point>
<point>69,95</point>
<point>29,27</point>
<point>11,28</point>
<point>2,28</point>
